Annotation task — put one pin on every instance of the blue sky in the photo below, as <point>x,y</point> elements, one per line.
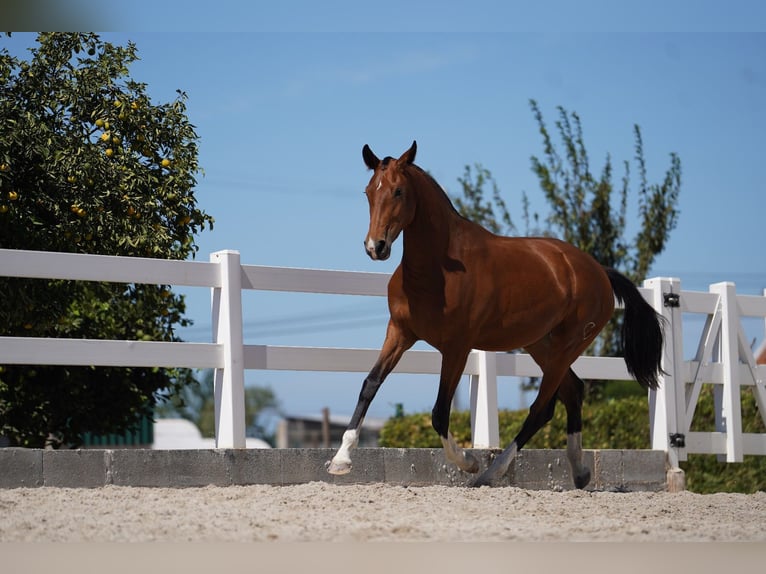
<point>282,118</point>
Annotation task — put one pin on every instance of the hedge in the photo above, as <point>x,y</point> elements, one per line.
<point>621,423</point>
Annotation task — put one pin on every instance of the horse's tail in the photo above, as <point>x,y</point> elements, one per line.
<point>642,336</point>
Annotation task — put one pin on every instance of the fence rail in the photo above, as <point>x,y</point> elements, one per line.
<point>722,359</point>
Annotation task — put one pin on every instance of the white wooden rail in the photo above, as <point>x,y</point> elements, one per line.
<point>722,358</point>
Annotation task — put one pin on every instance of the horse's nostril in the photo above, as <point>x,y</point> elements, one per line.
<point>377,249</point>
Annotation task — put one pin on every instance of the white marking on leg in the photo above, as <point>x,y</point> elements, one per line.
<point>499,466</point>
<point>341,462</point>
<point>504,459</point>
<point>451,448</point>
<point>574,451</point>
<point>457,455</point>
<point>574,454</point>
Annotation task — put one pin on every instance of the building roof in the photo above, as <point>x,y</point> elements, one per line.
<point>339,420</point>
<point>181,434</point>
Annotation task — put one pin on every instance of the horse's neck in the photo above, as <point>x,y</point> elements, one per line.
<point>427,238</point>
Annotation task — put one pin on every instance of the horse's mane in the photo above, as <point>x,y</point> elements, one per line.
<point>429,179</point>
<point>436,184</point>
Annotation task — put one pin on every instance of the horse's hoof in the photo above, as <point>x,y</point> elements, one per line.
<point>338,468</point>
<point>498,468</point>
<point>482,480</point>
<point>583,479</point>
<point>487,478</point>
<point>471,464</point>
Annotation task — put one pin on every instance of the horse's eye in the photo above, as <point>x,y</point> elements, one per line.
<point>398,192</point>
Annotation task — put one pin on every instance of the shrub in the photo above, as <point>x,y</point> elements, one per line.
<point>620,423</point>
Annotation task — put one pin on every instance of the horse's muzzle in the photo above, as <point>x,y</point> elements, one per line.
<point>378,250</point>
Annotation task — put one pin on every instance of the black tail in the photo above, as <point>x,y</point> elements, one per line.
<point>641,331</point>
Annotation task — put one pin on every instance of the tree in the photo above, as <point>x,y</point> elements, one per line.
<point>196,402</point>
<point>88,163</point>
<point>475,207</point>
<point>581,205</point>
<point>588,211</point>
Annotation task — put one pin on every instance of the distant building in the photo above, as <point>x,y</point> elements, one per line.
<point>181,434</point>
<point>323,430</point>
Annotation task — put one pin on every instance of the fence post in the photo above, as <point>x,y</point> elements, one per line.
<point>667,405</point>
<point>229,382</point>
<point>728,406</point>
<point>483,390</point>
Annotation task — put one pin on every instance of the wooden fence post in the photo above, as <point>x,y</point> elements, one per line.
<point>229,381</point>
<point>667,405</point>
<point>727,396</point>
<point>483,391</point>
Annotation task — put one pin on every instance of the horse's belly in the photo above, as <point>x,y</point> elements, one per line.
<point>508,338</point>
<point>495,332</point>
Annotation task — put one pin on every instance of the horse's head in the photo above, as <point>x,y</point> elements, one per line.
<point>392,203</point>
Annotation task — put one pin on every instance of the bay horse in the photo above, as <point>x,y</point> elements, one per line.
<point>460,287</point>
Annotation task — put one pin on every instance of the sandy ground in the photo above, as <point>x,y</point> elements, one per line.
<point>320,512</point>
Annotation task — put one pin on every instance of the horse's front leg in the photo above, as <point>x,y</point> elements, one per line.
<point>453,365</point>
<point>397,341</point>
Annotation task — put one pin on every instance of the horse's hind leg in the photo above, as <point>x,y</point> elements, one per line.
<point>453,364</point>
<point>540,413</point>
<point>571,394</point>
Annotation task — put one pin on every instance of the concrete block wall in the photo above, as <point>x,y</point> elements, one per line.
<point>619,470</point>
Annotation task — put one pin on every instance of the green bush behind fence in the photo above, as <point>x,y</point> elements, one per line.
<point>619,423</point>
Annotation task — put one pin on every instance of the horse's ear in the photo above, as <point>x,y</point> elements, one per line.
<point>370,159</point>
<point>408,157</point>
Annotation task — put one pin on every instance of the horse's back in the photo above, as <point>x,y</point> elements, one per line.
<point>544,262</point>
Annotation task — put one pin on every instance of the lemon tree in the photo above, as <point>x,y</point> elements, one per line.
<point>89,163</point>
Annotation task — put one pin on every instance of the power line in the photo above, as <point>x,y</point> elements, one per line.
<point>380,320</point>
<point>320,316</point>
<point>353,316</point>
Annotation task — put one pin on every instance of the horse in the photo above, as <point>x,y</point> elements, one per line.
<point>460,287</point>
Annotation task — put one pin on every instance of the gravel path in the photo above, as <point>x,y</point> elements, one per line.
<point>319,512</point>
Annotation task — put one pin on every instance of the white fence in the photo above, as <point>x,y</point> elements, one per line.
<point>723,359</point>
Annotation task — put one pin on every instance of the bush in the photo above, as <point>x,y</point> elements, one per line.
<point>704,473</point>
<point>620,423</point>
